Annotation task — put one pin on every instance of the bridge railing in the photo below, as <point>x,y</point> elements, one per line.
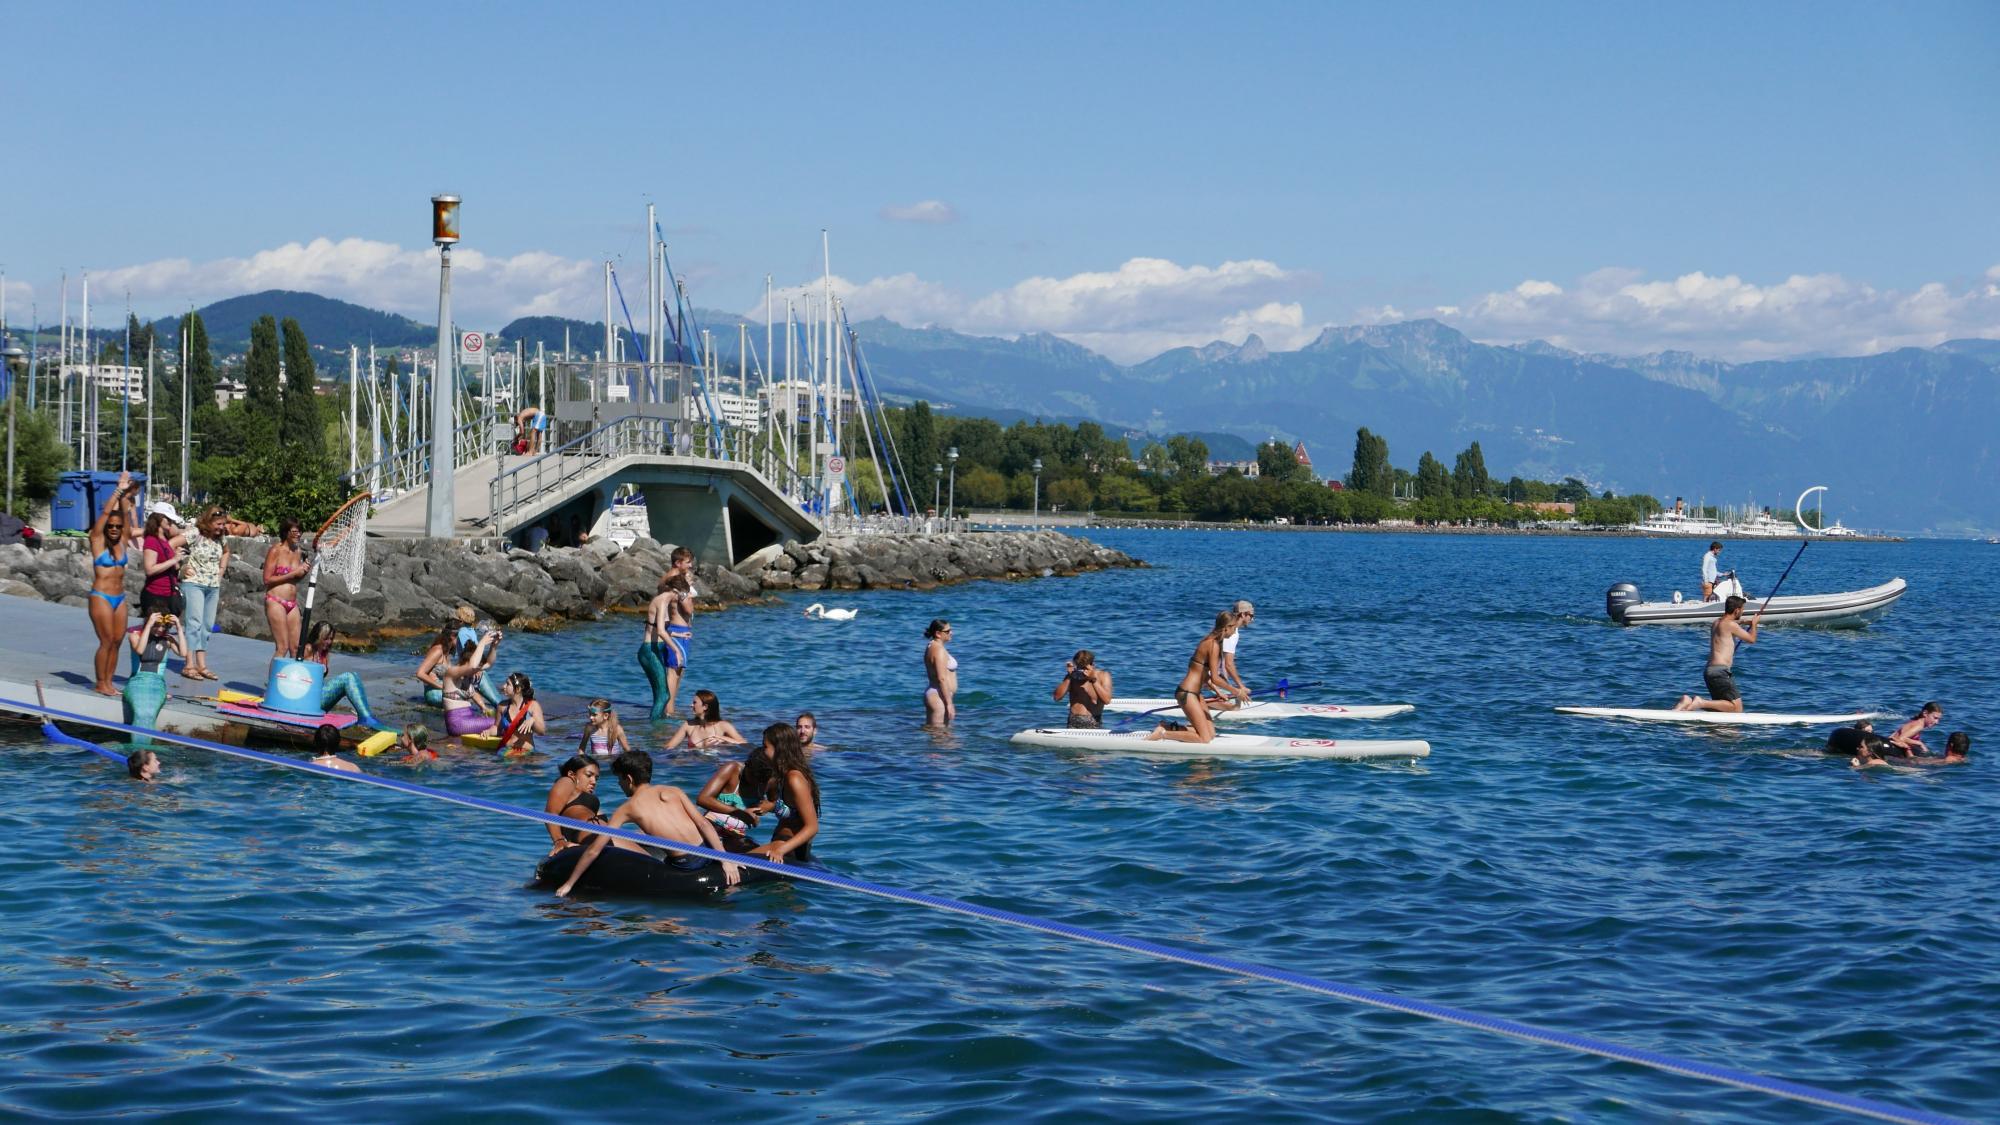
<point>407,468</point>
<point>629,436</point>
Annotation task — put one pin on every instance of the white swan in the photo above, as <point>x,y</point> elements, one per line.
<point>818,610</point>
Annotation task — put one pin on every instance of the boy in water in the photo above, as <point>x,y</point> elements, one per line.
<point>657,810</point>
<point>1720,675</point>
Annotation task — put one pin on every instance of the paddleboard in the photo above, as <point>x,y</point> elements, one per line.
<point>1224,745</point>
<point>1720,718</point>
<point>376,743</point>
<point>335,719</point>
<point>480,741</point>
<point>1268,709</point>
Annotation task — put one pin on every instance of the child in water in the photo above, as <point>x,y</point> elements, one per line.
<point>415,742</point>
<point>603,734</point>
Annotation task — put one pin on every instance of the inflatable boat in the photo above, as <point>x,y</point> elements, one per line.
<point>1851,609</point>
<point>626,872</point>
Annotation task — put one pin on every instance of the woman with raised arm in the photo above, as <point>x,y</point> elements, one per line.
<point>146,689</point>
<point>111,554</point>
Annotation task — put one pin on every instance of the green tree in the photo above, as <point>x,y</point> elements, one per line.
<point>1468,474</point>
<point>1120,493</point>
<point>1277,463</point>
<point>39,456</point>
<point>981,488</point>
<point>1433,483</point>
<point>1154,459</point>
<point>1189,456</point>
<point>1070,493</point>
<point>1371,473</point>
<point>917,438</point>
<point>263,399</point>
<point>199,360</point>
<point>1572,490</point>
<point>301,426</point>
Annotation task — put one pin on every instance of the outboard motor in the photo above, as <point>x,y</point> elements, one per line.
<point>1619,599</point>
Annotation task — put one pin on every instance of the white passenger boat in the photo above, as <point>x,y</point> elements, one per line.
<point>1850,608</point>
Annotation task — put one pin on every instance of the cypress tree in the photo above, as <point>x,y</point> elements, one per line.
<point>1371,472</point>
<point>1468,475</point>
<point>1433,483</point>
<point>263,399</point>
<point>301,429</point>
<point>199,360</point>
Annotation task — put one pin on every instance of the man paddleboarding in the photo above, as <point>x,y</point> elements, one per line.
<point>1711,570</point>
<point>1720,674</point>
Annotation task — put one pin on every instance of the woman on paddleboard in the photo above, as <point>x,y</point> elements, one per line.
<point>706,728</point>
<point>1204,672</point>
<point>1088,688</point>
<point>941,672</point>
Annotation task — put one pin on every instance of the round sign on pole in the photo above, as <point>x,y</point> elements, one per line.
<point>836,467</point>
<point>472,343</point>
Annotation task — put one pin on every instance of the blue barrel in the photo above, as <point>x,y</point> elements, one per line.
<point>70,510</point>
<point>104,485</point>
<point>295,687</point>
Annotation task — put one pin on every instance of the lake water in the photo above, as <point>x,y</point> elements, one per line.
<point>240,940</point>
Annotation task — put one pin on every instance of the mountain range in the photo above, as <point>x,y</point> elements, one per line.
<point>1907,440</point>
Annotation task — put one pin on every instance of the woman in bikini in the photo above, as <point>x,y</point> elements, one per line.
<point>464,711</point>
<point>574,795</point>
<point>603,734</point>
<point>284,565</point>
<point>1204,671</point>
<point>706,728</point>
<point>941,670</point>
<point>113,552</point>
<point>441,654</point>
<point>1088,688</point>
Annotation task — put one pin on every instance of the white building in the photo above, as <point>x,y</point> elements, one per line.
<point>793,398</point>
<point>109,379</point>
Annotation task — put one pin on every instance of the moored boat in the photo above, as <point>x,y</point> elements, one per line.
<point>1852,608</point>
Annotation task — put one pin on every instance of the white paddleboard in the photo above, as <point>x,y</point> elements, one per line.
<point>1266,709</point>
<point>1720,718</point>
<point>1224,745</point>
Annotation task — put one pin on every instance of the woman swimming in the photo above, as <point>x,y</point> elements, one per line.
<point>1204,671</point>
<point>415,742</point>
<point>146,689</point>
<point>706,728</point>
<point>1088,688</point>
<point>108,613</point>
<point>738,794</point>
<point>798,797</point>
<point>520,718</point>
<point>346,686</point>
<point>574,795</point>
<point>603,734</point>
<point>941,670</point>
<point>326,749</point>
<point>284,565</point>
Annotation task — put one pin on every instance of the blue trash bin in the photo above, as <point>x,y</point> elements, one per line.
<point>104,485</point>
<point>70,510</point>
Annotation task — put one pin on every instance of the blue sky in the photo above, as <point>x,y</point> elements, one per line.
<point>1372,161</point>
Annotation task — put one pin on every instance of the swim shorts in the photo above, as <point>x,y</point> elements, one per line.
<point>1721,680</point>
<point>674,654</point>
<point>1083,722</point>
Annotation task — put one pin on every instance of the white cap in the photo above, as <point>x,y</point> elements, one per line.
<point>165,508</point>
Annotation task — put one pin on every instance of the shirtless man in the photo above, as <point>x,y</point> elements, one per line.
<point>679,582</point>
<point>529,426</point>
<point>1710,574</point>
<point>1720,674</point>
<point>1239,692</point>
<point>657,810</point>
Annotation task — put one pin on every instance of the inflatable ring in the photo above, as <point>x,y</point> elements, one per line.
<point>623,871</point>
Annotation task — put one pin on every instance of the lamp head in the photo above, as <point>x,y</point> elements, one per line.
<point>444,219</point>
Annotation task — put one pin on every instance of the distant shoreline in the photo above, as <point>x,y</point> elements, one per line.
<point>1432,529</point>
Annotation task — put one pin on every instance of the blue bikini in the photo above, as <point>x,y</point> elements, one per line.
<point>104,559</point>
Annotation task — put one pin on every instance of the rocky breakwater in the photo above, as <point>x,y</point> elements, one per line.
<point>415,585</point>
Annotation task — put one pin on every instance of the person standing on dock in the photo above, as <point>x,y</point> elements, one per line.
<point>1720,675</point>
<point>1710,570</point>
<point>108,612</point>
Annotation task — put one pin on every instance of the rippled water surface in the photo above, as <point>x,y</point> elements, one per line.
<point>242,940</point>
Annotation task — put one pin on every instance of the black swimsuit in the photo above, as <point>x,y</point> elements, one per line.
<point>588,801</point>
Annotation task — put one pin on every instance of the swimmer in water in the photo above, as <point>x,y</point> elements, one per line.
<point>603,734</point>
<point>659,810</point>
<point>1908,739</point>
<point>706,728</point>
<point>520,718</point>
<point>1852,740</point>
<point>574,795</point>
<point>940,674</point>
<point>738,794</point>
<point>798,797</point>
<point>326,749</point>
<point>415,743</point>
<point>1957,751</point>
<point>808,727</point>
<point>143,765</point>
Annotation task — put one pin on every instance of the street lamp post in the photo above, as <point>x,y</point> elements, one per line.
<point>1038,491</point>
<point>937,487</point>
<point>10,354</point>
<point>440,518</point>
<point>951,495</point>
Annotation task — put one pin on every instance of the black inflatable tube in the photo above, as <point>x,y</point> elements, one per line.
<point>626,872</point>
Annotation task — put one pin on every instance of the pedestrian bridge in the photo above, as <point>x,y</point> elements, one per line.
<point>716,491</point>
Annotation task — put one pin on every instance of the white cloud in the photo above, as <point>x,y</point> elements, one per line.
<point>488,290</point>
<point>1134,312</point>
<point>1622,311</point>
<point>927,211</point>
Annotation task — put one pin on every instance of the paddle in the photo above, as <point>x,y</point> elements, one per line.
<point>1283,686</point>
<point>1799,515</point>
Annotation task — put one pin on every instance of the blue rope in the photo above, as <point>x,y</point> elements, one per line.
<point>55,734</point>
<point>1443,1013</point>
